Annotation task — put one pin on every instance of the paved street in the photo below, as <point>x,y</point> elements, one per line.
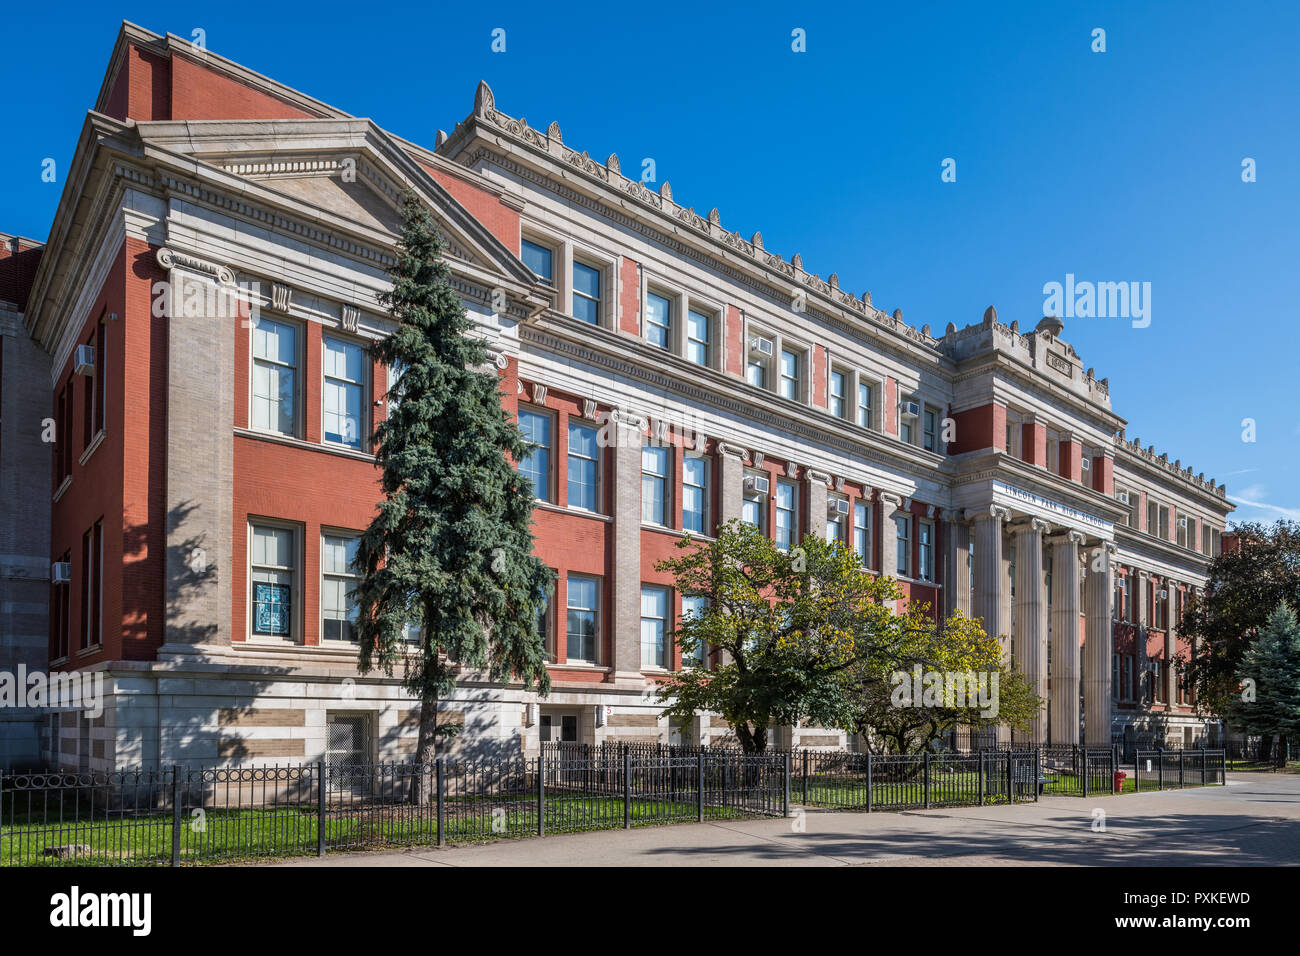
<point>1254,821</point>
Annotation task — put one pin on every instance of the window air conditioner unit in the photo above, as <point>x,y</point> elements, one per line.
<point>760,345</point>
<point>1123,497</point>
<point>910,409</point>
<point>1163,594</point>
<point>61,572</point>
<point>760,484</point>
<point>1182,522</point>
<point>1086,463</point>
<point>83,362</point>
<point>530,715</point>
<point>836,507</point>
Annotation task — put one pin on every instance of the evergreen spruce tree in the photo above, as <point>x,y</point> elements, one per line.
<point>1269,703</point>
<point>450,550</point>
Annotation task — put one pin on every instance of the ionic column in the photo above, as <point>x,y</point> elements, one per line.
<point>1098,640</point>
<point>986,599</point>
<point>1065,637</point>
<point>1031,614</point>
<point>956,551</point>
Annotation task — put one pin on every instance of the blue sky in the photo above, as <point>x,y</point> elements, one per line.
<point>1117,166</point>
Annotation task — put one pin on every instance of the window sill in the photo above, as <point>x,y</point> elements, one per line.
<point>90,449</point>
<point>63,486</point>
<point>88,651</point>
<point>59,660</point>
<point>278,439</point>
<point>566,510</point>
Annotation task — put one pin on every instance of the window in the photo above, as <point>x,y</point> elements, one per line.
<point>838,403</point>
<point>539,260</point>
<point>756,371</point>
<point>903,560</point>
<point>1116,676</point>
<point>1159,606</point>
<point>1186,531</point>
<point>862,531</point>
<point>341,394</point>
<point>275,362</point>
<point>1157,681</point>
<point>1127,689</point>
<point>101,375</point>
<point>695,494</point>
<point>536,429</point>
<point>654,485</point>
<point>1128,615</point>
<point>1053,454</point>
<point>751,512</point>
<point>786,514</point>
<point>60,617</point>
<point>693,605</point>
<point>654,625</point>
<point>395,386</point>
<point>930,429</point>
<point>835,521</point>
<point>1129,501</point>
<point>658,321</point>
<point>789,385</point>
<point>92,585</point>
<point>1013,435</point>
<point>584,459</point>
<point>697,337</point>
<point>273,564</point>
<point>1158,520</point>
<point>544,629</point>
<point>905,430</point>
<point>864,404</point>
<point>583,605</point>
<point>925,542</point>
<point>338,608</point>
<point>586,293</point>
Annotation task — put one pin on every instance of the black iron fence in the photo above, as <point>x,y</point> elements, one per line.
<point>865,781</point>
<point>1171,769</point>
<point>178,815</point>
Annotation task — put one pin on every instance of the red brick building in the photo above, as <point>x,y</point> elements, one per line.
<point>201,316</point>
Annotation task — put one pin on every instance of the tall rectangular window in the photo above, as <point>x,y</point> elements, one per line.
<point>695,494</point>
<point>273,563</point>
<point>61,608</point>
<point>584,459</point>
<point>1126,683</point>
<point>92,585</point>
<point>275,366</point>
<point>344,374</point>
<point>864,405</point>
<point>693,605</point>
<point>838,403</point>
<point>751,512</point>
<point>658,321</point>
<point>789,384</point>
<point>787,517</point>
<point>582,610</point>
<point>925,546</point>
<point>697,337</point>
<point>654,626</point>
<point>539,259</point>
<point>101,376</point>
<point>586,293</point>
<point>930,430</point>
<point>862,531</point>
<point>905,430</point>
<point>339,609</point>
<point>536,429</point>
<point>903,559</point>
<point>835,521</point>
<point>756,372</point>
<point>654,485</point>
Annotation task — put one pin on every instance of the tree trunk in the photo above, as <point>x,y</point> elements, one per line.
<point>426,751</point>
<point>1265,748</point>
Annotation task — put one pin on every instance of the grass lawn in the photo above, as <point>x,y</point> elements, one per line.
<point>222,836</point>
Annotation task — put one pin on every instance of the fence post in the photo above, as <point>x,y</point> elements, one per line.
<point>785,791</point>
<point>442,804</point>
<point>176,814</point>
<point>541,794</point>
<point>320,807</point>
<point>1182,757</point>
<point>1038,768</point>
<point>979,758</point>
<point>627,788</point>
<point>1011,794</point>
<point>868,781</point>
<point>1223,768</point>
<point>927,780</point>
<point>1084,776</point>
<point>1160,770</point>
<point>1204,760</point>
<point>805,778</point>
<point>699,790</point>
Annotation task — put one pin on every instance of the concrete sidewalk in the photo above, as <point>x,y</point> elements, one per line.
<point>1253,821</point>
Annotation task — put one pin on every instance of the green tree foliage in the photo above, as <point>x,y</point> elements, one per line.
<point>450,548</point>
<point>1268,700</point>
<point>1245,584</point>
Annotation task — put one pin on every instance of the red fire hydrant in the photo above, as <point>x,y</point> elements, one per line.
<point>1118,782</point>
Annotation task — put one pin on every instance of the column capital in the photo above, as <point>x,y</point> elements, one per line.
<point>891,499</point>
<point>734,451</point>
<point>1029,526</point>
<point>992,512</point>
<point>1067,536</point>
